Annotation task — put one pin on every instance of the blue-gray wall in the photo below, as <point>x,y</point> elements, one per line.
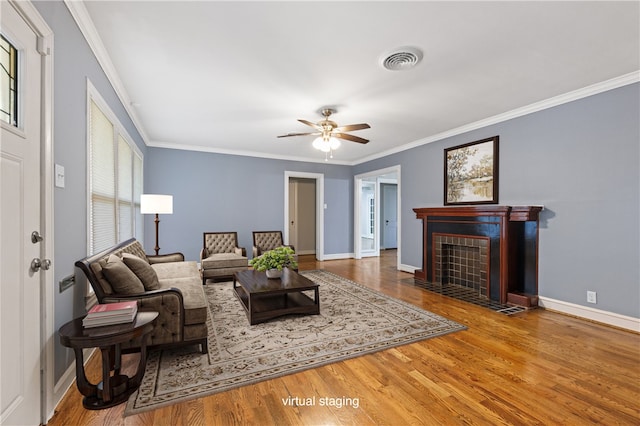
<point>73,63</point>
<point>217,192</point>
<point>580,160</point>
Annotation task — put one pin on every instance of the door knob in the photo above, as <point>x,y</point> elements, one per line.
<point>36,237</point>
<point>37,264</point>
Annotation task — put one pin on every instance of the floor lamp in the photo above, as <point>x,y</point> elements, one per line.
<point>156,204</point>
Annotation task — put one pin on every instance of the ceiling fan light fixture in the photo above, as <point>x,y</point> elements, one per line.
<point>403,58</point>
<point>330,132</point>
<point>326,143</point>
<point>321,144</point>
<point>334,143</point>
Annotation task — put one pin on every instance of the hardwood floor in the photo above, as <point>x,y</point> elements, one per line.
<point>536,367</point>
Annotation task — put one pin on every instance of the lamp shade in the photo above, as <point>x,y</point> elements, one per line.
<point>156,204</point>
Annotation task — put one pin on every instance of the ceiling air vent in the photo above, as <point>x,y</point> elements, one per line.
<point>403,58</point>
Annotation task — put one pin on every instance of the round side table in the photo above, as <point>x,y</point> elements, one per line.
<point>114,389</point>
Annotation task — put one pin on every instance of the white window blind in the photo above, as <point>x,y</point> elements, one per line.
<point>102,181</point>
<point>115,179</point>
<point>125,190</point>
<point>137,192</point>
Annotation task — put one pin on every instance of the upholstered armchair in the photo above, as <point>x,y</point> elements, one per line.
<point>220,256</point>
<point>267,240</point>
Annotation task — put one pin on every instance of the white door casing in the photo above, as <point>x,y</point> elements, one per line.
<point>25,207</point>
<point>381,175</point>
<point>319,178</point>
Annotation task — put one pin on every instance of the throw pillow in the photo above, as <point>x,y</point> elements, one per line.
<point>121,278</point>
<point>143,270</point>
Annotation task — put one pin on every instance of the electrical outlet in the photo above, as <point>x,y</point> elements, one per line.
<point>59,180</point>
<point>591,297</point>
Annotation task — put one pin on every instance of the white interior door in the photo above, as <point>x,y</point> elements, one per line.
<point>369,229</point>
<point>364,216</point>
<point>20,214</point>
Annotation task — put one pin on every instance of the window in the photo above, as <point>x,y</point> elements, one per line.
<point>372,214</point>
<point>8,82</point>
<point>115,179</point>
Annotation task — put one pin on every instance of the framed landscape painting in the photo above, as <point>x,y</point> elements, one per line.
<point>471,173</point>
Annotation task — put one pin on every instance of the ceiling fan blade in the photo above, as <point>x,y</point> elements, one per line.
<point>308,123</point>
<point>352,127</point>
<point>349,137</point>
<point>298,134</point>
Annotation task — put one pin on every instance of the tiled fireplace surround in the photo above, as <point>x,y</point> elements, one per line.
<point>463,261</point>
<point>490,249</point>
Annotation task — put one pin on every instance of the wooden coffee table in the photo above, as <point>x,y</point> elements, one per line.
<point>267,298</point>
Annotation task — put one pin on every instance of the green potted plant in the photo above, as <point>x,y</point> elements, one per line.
<point>273,261</point>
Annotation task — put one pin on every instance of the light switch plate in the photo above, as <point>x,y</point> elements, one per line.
<point>59,171</point>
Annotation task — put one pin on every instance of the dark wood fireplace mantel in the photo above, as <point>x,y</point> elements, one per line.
<point>512,232</point>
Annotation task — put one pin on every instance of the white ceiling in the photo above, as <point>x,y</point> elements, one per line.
<point>231,76</point>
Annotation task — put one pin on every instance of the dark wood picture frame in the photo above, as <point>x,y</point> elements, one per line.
<point>471,173</point>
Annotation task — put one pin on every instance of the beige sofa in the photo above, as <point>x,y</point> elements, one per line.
<point>165,284</point>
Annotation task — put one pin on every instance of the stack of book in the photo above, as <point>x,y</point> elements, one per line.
<point>111,313</point>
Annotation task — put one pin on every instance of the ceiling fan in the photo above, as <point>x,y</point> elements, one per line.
<point>329,132</point>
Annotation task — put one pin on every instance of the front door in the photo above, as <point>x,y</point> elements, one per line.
<point>20,214</point>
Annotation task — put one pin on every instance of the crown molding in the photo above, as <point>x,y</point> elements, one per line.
<point>594,89</point>
<point>201,148</point>
<point>82,18</point>
<point>85,23</point>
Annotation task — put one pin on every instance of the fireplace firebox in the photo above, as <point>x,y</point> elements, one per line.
<point>492,250</point>
<point>463,261</point>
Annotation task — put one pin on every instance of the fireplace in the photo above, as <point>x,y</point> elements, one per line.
<point>492,250</point>
<point>462,260</point>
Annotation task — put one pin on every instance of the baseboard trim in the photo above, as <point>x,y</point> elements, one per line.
<point>408,268</point>
<point>68,378</point>
<point>303,252</point>
<point>596,315</point>
<point>338,256</point>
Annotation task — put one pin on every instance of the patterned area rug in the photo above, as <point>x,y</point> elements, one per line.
<point>353,321</point>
